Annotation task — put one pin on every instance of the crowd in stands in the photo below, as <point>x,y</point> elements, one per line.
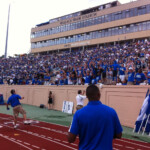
<point>126,63</point>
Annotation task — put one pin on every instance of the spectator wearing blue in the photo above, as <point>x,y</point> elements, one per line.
<point>139,77</point>
<point>94,81</point>
<point>46,78</point>
<point>104,67</point>
<point>115,67</point>
<point>148,75</point>
<point>137,65</point>
<point>1,80</point>
<point>131,75</point>
<point>122,70</point>
<point>96,124</point>
<point>87,78</point>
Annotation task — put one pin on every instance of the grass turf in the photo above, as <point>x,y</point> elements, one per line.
<point>58,117</point>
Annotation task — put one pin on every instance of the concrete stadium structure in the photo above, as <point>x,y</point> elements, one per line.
<point>109,23</point>
<point>126,100</point>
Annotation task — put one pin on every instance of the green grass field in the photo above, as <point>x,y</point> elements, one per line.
<point>61,118</point>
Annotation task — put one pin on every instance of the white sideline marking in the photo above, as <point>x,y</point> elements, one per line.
<point>16,142</point>
<point>36,146</point>
<point>46,139</point>
<point>8,122</point>
<point>74,144</point>
<point>58,131</point>
<point>1,126</point>
<point>136,141</point>
<point>6,136</point>
<point>129,147</point>
<point>65,141</point>
<point>19,141</point>
<point>26,143</point>
<point>132,143</point>
<point>35,134</point>
<point>54,130</point>
<point>57,139</point>
<point>116,149</point>
<point>29,132</point>
<point>12,138</point>
<point>118,144</point>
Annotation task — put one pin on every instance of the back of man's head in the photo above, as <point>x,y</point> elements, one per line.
<point>79,91</point>
<point>92,92</point>
<point>12,91</point>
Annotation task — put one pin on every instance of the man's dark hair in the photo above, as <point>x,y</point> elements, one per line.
<point>79,91</point>
<point>12,91</point>
<point>93,92</point>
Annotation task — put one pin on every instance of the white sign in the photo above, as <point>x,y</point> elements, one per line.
<point>67,107</point>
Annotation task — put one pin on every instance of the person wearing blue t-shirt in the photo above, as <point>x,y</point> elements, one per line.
<point>96,124</point>
<point>137,65</point>
<point>122,70</point>
<point>139,77</point>
<point>115,67</point>
<point>148,77</point>
<point>131,75</point>
<point>88,78</point>
<point>17,108</point>
<point>104,67</point>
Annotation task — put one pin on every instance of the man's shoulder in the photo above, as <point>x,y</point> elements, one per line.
<point>108,108</point>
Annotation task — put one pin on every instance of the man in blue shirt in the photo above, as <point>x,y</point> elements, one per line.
<point>139,77</point>
<point>122,70</point>
<point>96,124</point>
<point>131,75</point>
<point>17,108</point>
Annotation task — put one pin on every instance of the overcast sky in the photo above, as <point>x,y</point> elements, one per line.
<point>25,14</point>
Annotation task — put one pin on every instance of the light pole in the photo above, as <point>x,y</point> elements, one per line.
<point>7,33</point>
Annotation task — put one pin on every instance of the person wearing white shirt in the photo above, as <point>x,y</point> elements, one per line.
<point>80,99</point>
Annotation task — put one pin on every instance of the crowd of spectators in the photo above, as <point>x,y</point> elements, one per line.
<point>117,64</point>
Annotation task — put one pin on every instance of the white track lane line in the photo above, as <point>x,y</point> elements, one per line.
<point>115,149</point>
<point>39,121</point>
<point>46,128</point>
<point>35,146</point>
<point>44,138</point>
<point>26,143</point>
<point>129,147</point>
<point>74,144</point>
<point>65,133</point>
<point>58,131</point>
<point>16,142</point>
<point>118,145</point>
<point>49,129</point>
<point>133,143</point>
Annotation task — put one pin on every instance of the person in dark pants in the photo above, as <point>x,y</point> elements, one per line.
<point>17,108</point>
<point>50,100</point>
<point>96,124</point>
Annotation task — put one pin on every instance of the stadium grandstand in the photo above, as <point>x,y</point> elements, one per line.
<point>106,44</point>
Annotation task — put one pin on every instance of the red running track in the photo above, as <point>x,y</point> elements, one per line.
<point>47,136</point>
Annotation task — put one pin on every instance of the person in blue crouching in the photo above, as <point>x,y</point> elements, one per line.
<point>96,124</point>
